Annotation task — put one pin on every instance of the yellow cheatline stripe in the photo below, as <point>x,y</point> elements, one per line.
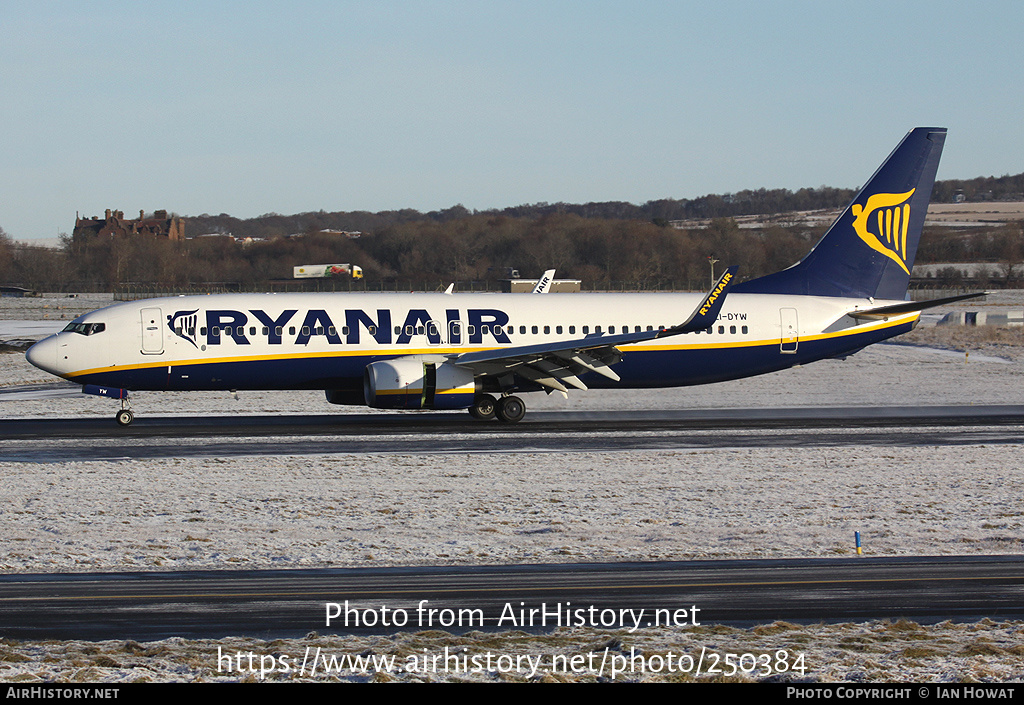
<point>638,347</point>
<point>895,321</point>
<point>419,390</point>
<point>410,390</point>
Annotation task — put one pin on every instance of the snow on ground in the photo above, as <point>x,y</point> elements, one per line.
<point>551,507</point>
<point>343,510</point>
<point>891,652</point>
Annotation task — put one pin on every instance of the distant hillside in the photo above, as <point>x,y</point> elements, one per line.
<point>983,188</point>
<point>730,205</point>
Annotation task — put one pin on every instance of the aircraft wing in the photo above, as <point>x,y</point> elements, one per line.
<point>555,365</point>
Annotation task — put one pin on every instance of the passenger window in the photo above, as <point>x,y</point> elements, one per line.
<point>522,330</point>
<point>597,329</point>
<point>534,330</point>
<point>558,330</point>
<point>744,329</point>
<point>732,329</point>
<point>266,331</point>
<point>611,329</point>
<point>572,330</point>
<point>547,330</point>
<point>586,329</point>
<point>278,330</point>
<point>291,330</point>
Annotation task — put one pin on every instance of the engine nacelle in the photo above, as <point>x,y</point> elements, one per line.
<point>410,383</point>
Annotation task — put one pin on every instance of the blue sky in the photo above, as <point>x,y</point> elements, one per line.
<point>255,107</point>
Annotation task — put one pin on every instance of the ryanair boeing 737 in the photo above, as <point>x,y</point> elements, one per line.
<point>477,351</point>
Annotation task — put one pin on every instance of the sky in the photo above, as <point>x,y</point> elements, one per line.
<point>256,107</point>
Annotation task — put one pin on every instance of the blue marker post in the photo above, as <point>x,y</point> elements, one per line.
<point>856,536</point>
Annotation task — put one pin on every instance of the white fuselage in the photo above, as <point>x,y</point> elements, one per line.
<point>303,341</point>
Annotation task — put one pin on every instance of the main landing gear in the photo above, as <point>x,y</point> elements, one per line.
<point>509,409</point>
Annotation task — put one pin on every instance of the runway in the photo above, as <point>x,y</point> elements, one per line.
<point>282,604</point>
<point>48,440</point>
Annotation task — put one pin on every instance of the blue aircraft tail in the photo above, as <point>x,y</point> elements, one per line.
<point>870,249</point>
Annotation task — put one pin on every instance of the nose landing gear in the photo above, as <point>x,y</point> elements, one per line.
<point>124,417</point>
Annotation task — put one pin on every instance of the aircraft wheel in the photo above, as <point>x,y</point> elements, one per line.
<point>125,417</point>
<point>511,409</point>
<point>483,407</point>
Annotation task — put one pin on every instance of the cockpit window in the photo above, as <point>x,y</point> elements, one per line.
<point>85,328</point>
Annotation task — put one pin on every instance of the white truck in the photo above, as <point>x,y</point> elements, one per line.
<point>327,271</point>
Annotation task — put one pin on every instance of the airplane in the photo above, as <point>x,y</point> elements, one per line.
<point>479,351</point>
<point>544,283</point>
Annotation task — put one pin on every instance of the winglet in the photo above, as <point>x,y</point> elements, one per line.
<point>707,312</point>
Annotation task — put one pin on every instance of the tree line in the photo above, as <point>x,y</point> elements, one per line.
<point>473,248</point>
<point>598,243</point>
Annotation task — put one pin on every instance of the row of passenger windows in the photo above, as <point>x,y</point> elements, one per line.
<point>421,330</point>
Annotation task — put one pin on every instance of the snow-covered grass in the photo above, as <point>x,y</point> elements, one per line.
<point>342,510</point>
<point>875,651</point>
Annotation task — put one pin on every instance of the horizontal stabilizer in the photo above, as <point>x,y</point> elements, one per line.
<point>910,306</point>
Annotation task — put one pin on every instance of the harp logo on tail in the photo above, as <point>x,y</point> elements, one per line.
<point>882,224</point>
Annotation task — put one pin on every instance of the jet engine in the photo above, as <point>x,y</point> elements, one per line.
<point>417,384</point>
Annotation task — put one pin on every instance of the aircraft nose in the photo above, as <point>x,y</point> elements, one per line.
<point>44,354</point>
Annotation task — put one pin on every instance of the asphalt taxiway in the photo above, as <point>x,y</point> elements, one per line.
<point>292,603</point>
<point>58,439</point>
